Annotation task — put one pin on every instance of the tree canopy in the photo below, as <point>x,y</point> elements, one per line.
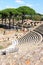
<point>27,10</point>
<point>12,12</point>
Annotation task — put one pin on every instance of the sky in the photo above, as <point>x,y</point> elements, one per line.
<point>37,5</point>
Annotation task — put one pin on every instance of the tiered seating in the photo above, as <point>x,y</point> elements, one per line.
<point>40,29</point>
<point>31,37</point>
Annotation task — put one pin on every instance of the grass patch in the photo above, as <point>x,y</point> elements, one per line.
<point>1,47</point>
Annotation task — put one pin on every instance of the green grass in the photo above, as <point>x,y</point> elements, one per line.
<point>1,47</point>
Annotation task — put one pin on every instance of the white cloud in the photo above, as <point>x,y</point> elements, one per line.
<point>30,5</point>
<point>20,1</point>
<point>8,6</point>
<point>23,3</point>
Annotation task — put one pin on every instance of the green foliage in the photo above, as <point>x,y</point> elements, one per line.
<point>12,10</point>
<point>41,19</point>
<point>20,11</point>
<point>36,17</point>
<point>1,47</point>
<point>27,10</point>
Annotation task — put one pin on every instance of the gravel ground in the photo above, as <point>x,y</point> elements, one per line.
<point>28,54</point>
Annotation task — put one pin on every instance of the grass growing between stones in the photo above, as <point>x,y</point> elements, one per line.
<point>1,47</point>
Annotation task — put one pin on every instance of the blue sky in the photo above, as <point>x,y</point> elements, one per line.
<point>37,5</point>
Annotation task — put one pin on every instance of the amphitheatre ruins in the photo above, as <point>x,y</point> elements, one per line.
<point>21,35</point>
<point>22,47</point>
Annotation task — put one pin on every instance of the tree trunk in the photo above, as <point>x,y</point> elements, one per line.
<point>5,21</point>
<point>13,22</point>
<point>22,19</point>
<point>9,23</point>
<point>2,21</point>
<point>23,16</point>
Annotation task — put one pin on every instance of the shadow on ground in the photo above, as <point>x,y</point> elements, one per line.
<point>6,26</point>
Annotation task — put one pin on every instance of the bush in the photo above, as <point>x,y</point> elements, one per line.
<point>36,17</point>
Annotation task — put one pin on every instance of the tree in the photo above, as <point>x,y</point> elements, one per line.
<point>23,17</point>
<point>4,15</point>
<point>22,13</point>
<point>25,10</point>
<point>37,17</point>
<point>12,13</point>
